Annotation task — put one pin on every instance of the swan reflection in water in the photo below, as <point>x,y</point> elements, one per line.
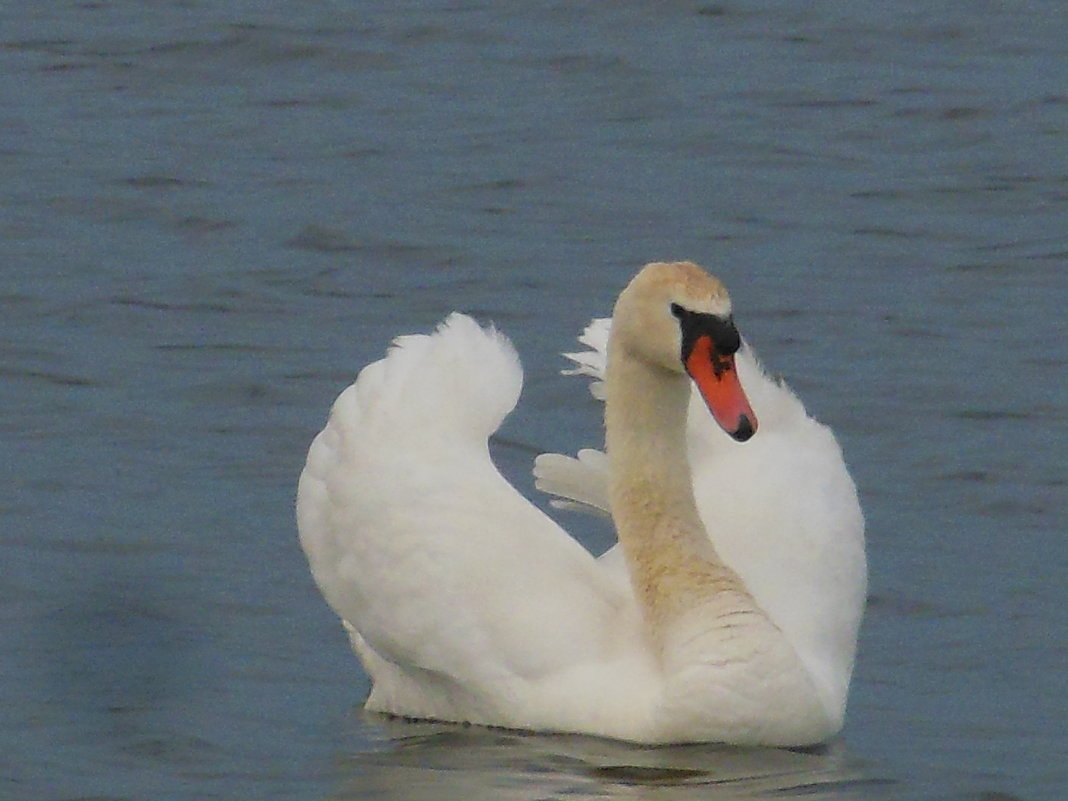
<point>443,761</point>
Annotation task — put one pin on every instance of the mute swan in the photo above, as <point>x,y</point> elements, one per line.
<point>731,616</point>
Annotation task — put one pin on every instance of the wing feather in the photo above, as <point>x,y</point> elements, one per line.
<point>418,542</point>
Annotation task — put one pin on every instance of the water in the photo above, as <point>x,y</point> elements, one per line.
<point>214,213</point>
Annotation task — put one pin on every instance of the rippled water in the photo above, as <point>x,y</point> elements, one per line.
<point>214,213</point>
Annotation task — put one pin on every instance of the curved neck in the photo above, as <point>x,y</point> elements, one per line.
<point>673,564</point>
<point>645,437</point>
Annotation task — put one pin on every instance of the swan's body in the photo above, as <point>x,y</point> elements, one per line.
<point>730,616</point>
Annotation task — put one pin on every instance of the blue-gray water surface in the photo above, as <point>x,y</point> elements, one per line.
<point>213,213</point>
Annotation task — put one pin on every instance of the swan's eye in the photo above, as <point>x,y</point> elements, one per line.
<point>678,311</point>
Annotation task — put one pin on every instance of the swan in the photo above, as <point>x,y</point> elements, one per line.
<point>727,612</point>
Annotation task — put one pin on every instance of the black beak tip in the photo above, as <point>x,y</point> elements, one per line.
<point>745,429</point>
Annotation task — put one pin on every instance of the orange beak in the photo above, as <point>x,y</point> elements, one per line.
<point>717,381</point>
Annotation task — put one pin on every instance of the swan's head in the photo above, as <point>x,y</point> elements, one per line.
<point>677,317</point>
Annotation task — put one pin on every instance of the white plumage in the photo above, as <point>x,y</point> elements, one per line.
<point>465,602</point>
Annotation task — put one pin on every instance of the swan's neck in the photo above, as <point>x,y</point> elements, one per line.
<point>673,565</point>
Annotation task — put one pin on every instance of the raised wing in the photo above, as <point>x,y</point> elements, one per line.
<point>439,565</point>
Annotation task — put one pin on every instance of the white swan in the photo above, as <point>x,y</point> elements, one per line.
<point>731,617</point>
